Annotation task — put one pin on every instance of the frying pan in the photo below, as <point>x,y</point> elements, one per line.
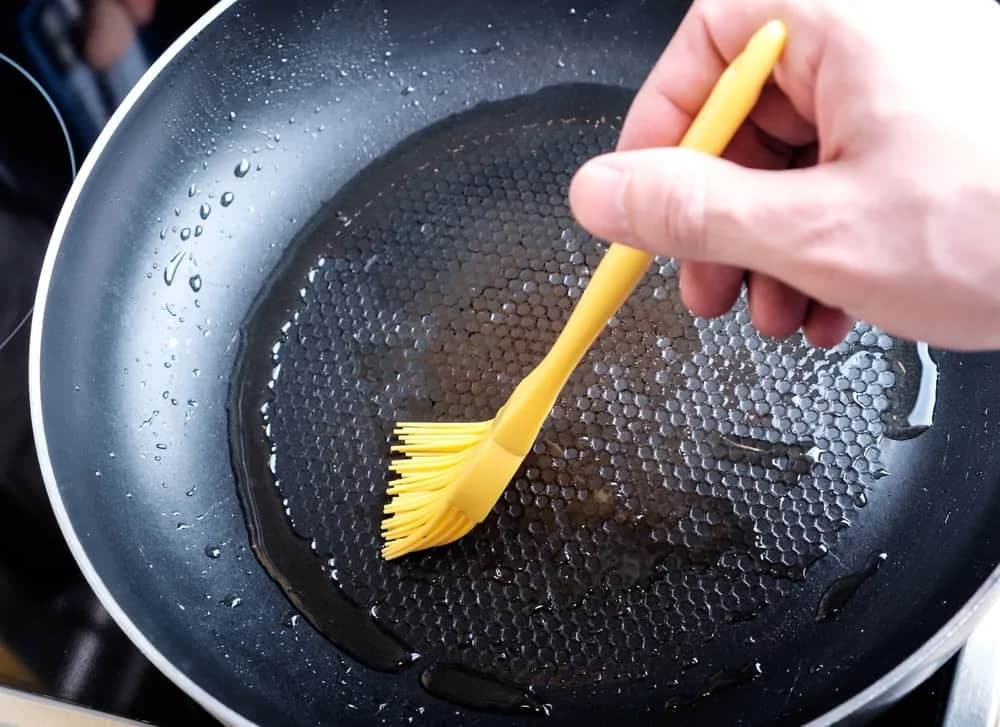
<point>310,218</point>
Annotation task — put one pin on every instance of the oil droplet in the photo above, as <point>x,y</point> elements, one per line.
<point>914,360</point>
<point>186,233</point>
<point>227,199</point>
<point>725,679</point>
<point>213,551</point>
<point>503,575</point>
<point>838,593</point>
<point>195,282</point>
<point>242,169</point>
<point>170,269</point>
<point>205,210</point>
<point>922,414</point>
<point>467,688</point>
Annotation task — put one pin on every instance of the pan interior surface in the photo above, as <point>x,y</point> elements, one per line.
<point>690,475</point>
<point>666,539</point>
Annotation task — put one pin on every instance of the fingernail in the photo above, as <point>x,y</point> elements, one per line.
<point>597,197</point>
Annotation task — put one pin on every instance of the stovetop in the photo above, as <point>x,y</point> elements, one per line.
<point>55,638</point>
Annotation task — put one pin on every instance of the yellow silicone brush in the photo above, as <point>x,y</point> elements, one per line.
<point>449,475</point>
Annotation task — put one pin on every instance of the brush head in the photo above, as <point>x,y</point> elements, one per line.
<point>449,476</point>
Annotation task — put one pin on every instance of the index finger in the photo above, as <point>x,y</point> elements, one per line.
<point>712,33</point>
<point>675,89</point>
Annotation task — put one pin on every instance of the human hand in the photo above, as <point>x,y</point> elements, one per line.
<point>866,183</point>
<point>111,27</point>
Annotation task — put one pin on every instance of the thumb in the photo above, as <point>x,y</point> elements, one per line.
<point>676,202</point>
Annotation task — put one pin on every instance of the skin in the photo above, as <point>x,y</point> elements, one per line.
<point>866,183</point>
<point>110,28</point>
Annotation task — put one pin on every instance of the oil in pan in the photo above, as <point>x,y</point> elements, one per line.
<point>690,474</point>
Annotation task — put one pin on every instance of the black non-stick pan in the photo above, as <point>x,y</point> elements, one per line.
<point>312,219</point>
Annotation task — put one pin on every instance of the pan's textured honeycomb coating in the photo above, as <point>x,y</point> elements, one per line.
<point>689,474</point>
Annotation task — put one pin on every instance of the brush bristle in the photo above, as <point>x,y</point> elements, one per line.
<point>418,514</point>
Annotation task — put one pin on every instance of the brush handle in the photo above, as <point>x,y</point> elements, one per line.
<point>621,268</point>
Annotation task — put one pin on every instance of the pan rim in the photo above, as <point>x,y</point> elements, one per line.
<point>899,680</point>
<point>218,709</point>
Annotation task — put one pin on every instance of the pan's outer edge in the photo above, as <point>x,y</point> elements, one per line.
<point>897,682</point>
<point>219,710</point>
